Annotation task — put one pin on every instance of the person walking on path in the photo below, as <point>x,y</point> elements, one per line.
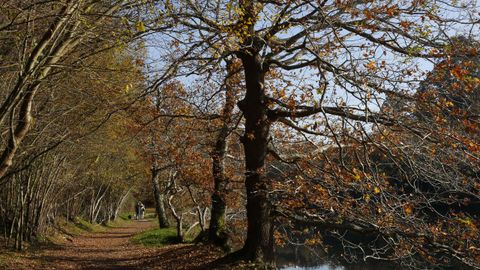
<point>142,210</point>
<point>139,211</point>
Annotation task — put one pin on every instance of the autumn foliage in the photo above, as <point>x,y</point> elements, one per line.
<point>349,127</point>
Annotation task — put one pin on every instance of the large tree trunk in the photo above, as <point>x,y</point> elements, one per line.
<point>259,243</point>
<point>217,220</point>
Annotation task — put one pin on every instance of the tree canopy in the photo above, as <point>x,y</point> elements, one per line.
<point>350,125</point>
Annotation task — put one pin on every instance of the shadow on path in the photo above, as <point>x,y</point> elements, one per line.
<point>112,250</point>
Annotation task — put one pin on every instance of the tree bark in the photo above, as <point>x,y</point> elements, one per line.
<point>178,218</point>
<point>18,133</point>
<point>119,205</point>
<point>216,231</point>
<point>159,198</point>
<point>200,213</point>
<point>259,243</point>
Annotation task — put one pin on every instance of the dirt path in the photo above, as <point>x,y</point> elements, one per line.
<point>114,250</point>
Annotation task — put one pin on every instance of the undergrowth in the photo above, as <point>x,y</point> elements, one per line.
<point>156,237</point>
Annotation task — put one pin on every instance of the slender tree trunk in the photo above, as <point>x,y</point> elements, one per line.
<point>259,243</point>
<point>159,198</point>
<point>178,218</point>
<point>18,133</point>
<point>217,219</point>
<point>200,213</point>
<point>97,204</point>
<point>180,229</point>
<point>216,232</point>
<point>119,205</point>
<point>24,95</point>
<point>91,208</point>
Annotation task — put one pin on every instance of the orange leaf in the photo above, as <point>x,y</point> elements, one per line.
<point>372,66</point>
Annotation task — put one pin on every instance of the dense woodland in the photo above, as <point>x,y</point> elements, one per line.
<point>349,125</point>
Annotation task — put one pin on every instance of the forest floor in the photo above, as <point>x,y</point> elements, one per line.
<point>112,249</point>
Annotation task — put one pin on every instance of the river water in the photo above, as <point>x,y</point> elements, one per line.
<point>320,267</point>
<point>307,258</point>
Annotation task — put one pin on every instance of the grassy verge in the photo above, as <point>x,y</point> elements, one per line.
<point>126,216</point>
<point>79,226</point>
<point>8,258</point>
<point>121,220</point>
<point>63,231</point>
<point>87,226</point>
<point>3,263</point>
<point>156,237</point>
